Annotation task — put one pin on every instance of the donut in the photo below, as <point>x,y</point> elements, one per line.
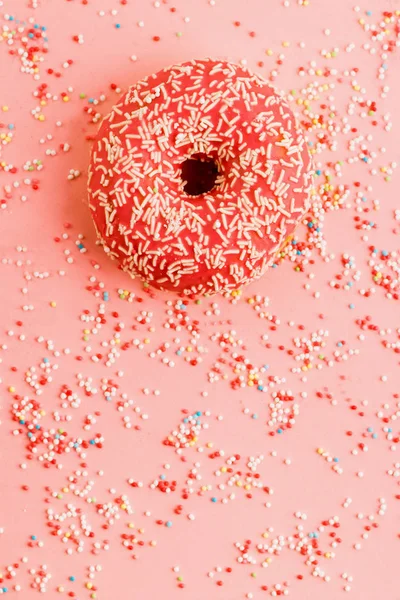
<point>197,177</point>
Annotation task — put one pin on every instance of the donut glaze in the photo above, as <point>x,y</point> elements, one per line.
<point>242,136</point>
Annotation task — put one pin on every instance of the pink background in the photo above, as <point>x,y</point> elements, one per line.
<point>367,379</point>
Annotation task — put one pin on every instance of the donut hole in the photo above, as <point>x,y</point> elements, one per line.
<point>199,174</point>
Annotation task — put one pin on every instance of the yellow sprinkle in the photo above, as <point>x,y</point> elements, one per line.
<point>89,585</point>
<point>320,450</point>
<point>53,304</point>
<point>65,98</point>
<point>146,341</point>
<point>4,108</point>
<point>60,588</point>
<point>269,52</point>
<point>11,389</point>
<point>239,484</point>
<point>131,525</point>
<point>286,44</point>
<point>41,117</point>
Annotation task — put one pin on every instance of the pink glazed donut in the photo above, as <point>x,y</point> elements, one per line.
<point>197,177</point>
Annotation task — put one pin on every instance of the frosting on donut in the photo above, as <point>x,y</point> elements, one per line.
<point>214,112</point>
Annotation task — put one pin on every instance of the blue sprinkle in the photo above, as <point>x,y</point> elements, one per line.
<point>260,387</point>
<point>351,305</point>
<point>213,499</point>
<point>117,25</point>
<point>255,416</point>
<point>336,460</point>
<point>33,537</point>
<point>374,436</point>
<point>11,126</point>
<point>310,224</point>
<point>45,360</point>
<point>279,430</point>
<point>198,413</point>
<point>385,253</point>
<point>92,442</point>
<point>168,523</point>
<point>179,352</point>
<point>72,578</point>
<point>162,477</point>
<point>108,398</point>
<point>370,429</point>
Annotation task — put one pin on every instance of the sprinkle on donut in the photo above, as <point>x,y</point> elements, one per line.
<point>198,176</point>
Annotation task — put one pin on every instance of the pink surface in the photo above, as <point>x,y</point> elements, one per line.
<point>332,349</point>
